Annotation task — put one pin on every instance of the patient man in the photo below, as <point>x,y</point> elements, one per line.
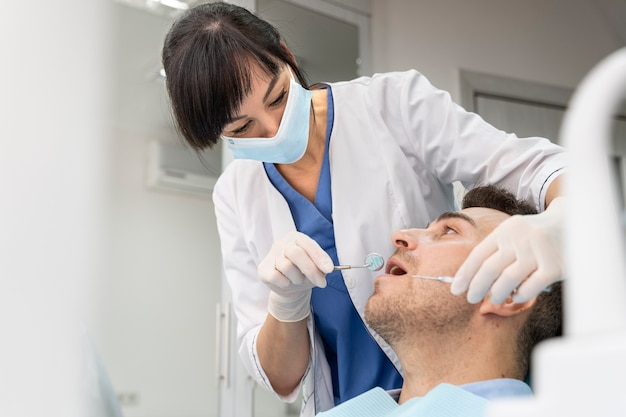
<point>455,356</point>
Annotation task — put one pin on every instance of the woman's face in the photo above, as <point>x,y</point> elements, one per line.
<point>262,109</point>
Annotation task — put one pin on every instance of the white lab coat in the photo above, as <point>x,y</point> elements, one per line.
<point>397,145</point>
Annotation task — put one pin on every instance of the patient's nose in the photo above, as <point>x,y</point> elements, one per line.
<point>406,238</point>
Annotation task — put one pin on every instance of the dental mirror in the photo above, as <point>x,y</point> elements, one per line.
<point>373,262</point>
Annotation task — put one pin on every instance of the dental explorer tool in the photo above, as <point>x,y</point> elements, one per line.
<point>448,280</point>
<point>373,262</point>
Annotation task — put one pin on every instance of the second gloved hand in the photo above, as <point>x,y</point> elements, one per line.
<point>294,265</point>
<point>521,256</point>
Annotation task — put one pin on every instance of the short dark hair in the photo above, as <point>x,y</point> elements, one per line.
<point>545,321</point>
<point>546,316</point>
<point>497,198</point>
<point>207,57</point>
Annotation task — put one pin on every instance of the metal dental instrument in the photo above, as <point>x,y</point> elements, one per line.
<point>448,280</point>
<point>373,262</point>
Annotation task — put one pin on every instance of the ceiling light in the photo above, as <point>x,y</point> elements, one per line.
<point>170,8</point>
<point>174,4</point>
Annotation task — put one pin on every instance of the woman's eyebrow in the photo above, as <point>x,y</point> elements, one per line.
<point>270,87</point>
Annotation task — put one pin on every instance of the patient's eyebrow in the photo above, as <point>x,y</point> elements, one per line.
<point>455,215</point>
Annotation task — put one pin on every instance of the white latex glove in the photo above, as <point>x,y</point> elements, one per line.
<point>522,256</point>
<point>294,265</point>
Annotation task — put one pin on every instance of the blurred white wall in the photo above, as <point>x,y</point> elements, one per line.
<point>550,41</point>
<point>155,323</point>
<point>53,173</point>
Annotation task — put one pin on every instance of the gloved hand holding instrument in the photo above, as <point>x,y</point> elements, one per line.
<point>294,265</point>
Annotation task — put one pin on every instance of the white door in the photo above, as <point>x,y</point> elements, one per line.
<point>532,109</point>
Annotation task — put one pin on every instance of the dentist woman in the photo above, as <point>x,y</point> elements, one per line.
<point>321,176</point>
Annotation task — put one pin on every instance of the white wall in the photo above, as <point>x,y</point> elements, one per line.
<point>53,170</point>
<point>549,41</point>
<point>155,325</point>
<point>159,296</point>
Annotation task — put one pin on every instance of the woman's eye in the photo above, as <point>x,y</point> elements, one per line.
<point>279,99</point>
<point>241,129</point>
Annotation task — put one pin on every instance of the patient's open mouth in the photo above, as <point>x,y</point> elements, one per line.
<point>396,269</point>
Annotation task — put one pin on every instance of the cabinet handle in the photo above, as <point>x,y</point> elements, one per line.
<point>222,344</point>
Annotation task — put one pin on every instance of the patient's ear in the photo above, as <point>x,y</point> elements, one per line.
<point>507,308</point>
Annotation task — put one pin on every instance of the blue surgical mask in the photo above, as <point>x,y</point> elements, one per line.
<point>289,143</point>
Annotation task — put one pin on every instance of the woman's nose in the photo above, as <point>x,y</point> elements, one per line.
<point>406,238</point>
<point>270,125</point>
<point>272,130</point>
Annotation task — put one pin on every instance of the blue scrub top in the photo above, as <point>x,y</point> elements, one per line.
<point>357,363</point>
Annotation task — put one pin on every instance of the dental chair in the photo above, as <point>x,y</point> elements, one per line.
<point>582,373</point>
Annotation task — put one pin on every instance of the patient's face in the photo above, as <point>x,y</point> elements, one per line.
<point>401,302</point>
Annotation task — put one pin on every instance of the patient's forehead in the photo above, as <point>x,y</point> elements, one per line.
<point>486,219</point>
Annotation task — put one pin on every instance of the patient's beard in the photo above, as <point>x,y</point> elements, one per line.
<point>428,311</point>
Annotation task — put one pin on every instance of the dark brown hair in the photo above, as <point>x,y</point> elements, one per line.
<point>490,196</point>
<point>207,57</point>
